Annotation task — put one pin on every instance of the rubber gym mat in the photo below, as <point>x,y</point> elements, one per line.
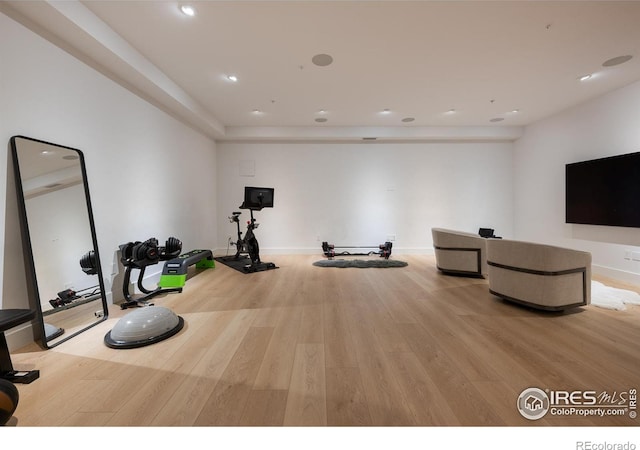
<point>243,264</point>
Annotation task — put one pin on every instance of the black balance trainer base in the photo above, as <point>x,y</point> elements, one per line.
<point>243,264</point>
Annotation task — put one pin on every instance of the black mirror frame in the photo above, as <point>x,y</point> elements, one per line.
<point>32,282</point>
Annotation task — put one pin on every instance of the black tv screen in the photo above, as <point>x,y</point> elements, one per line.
<point>604,191</point>
<point>258,197</point>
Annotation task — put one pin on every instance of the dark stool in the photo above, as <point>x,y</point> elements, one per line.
<point>10,318</point>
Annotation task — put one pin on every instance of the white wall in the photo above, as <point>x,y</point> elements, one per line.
<point>606,126</point>
<point>361,193</point>
<point>149,175</point>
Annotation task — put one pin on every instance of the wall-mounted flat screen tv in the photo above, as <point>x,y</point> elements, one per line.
<point>604,191</point>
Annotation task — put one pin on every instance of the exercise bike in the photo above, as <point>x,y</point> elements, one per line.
<point>254,200</point>
<point>249,244</point>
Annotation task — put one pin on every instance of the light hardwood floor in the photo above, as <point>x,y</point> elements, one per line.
<point>304,345</point>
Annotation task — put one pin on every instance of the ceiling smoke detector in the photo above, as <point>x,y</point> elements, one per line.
<point>322,60</point>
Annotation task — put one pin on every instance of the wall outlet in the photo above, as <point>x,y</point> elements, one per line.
<point>635,256</point>
<point>627,254</point>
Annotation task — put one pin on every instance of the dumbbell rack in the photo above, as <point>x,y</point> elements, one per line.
<point>139,255</point>
<point>131,302</point>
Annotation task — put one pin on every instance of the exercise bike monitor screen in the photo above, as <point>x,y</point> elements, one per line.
<point>257,198</point>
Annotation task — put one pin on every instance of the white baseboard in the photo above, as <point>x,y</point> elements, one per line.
<point>616,274</point>
<point>273,251</point>
<point>318,251</point>
<point>19,337</point>
<point>413,251</point>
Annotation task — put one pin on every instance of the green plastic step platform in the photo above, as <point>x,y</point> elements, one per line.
<point>174,273</point>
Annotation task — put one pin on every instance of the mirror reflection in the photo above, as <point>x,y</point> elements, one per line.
<point>66,277</point>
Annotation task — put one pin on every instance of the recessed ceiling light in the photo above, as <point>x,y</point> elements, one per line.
<point>257,112</point>
<point>514,111</point>
<point>322,60</point>
<point>385,111</point>
<point>188,10</point>
<point>617,60</point>
<point>451,111</point>
<point>497,119</point>
<point>585,77</point>
<point>232,78</point>
<point>322,111</point>
<point>408,119</point>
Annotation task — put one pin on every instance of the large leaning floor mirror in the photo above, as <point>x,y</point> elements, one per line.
<point>61,251</point>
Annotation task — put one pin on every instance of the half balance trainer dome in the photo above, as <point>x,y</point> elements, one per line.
<point>144,326</point>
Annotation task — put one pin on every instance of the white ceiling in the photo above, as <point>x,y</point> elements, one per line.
<point>418,59</point>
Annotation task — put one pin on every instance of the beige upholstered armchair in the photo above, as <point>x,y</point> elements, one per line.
<point>459,253</point>
<point>538,275</point>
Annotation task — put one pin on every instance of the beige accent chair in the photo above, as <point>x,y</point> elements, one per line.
<point>538,275</point>
<point>459,253</point>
